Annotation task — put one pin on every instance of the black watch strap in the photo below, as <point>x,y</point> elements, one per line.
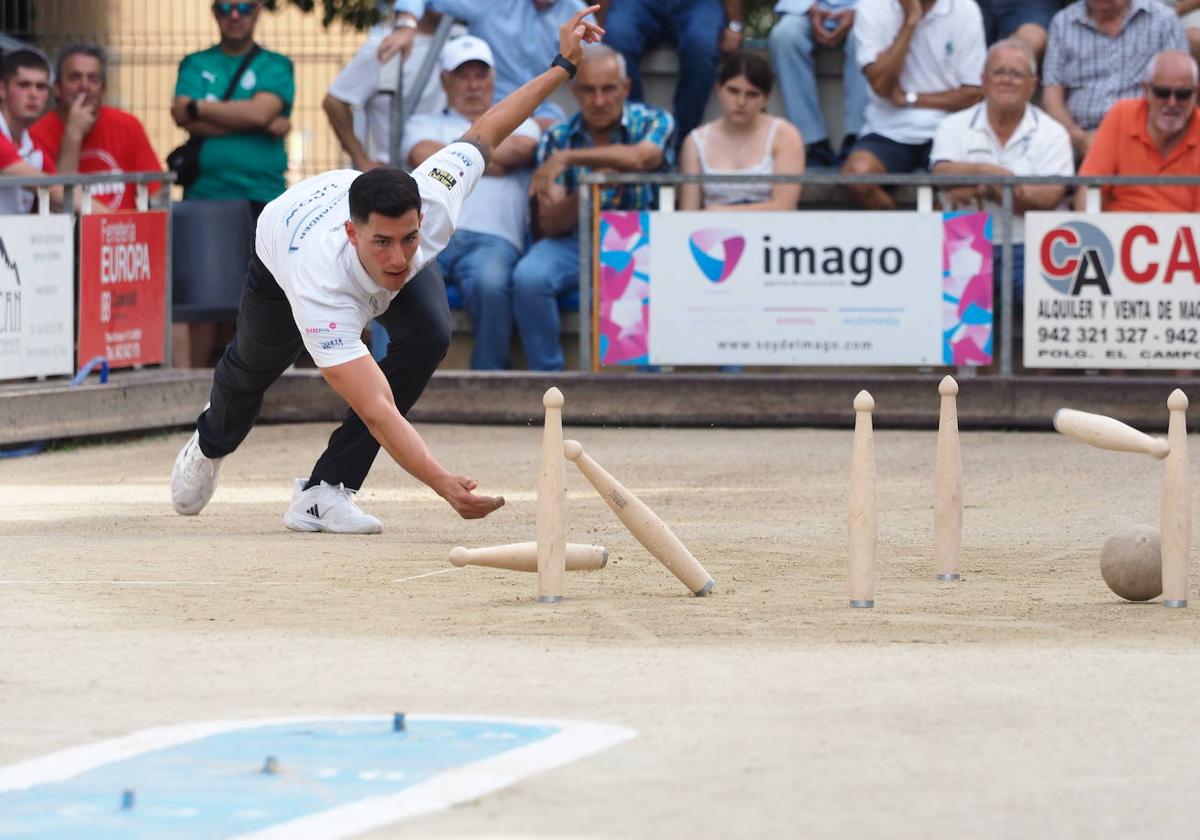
<point>193,110</point>
<point>570,67</point>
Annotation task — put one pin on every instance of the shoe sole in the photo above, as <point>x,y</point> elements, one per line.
<point>308,524</point>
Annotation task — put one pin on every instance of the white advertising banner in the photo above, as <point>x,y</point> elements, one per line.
<point>803,288</point>
<point>1113,290</point>
<point>37,298</point>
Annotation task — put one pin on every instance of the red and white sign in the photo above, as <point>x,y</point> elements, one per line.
<point>1114,290</point>
<point>122,288</point>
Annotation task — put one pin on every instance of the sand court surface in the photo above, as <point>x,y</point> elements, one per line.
<point>1025,700</point>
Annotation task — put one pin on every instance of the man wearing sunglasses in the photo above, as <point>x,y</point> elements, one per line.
<point>243,155</point>
<point>1156,134</point>
<point>332,253</point>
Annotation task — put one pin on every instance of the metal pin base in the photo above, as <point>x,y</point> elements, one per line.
<point>955,576</point>
<point>1175,605</point>
<point>708,587</point>
<point>549,599</point>
<point>862,604</point>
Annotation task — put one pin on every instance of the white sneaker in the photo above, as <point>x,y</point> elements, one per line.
<point>328,507</point>
<point>193,478</point>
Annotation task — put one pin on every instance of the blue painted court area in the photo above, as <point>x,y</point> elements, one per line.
<point>214,786</point>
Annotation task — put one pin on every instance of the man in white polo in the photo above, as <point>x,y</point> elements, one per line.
<point>1004,135</point>
<point>332,253</point>
<point>494,224</point>
<point>922,59</point>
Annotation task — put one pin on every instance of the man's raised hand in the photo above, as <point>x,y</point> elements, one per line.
<point>576,32</point>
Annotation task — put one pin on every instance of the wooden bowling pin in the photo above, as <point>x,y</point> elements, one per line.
<point>642,522</point>
<point>947,485</point>
<point>1108,433</point>
<point>522,557</point>
<point>1176,506</point>
<point>862,519</point>
<point>551,499</point>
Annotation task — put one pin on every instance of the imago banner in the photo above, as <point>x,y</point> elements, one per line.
<point>804,288</point>
<point>1115,290</point>
<point>122,283</point>
<point>37,271</point>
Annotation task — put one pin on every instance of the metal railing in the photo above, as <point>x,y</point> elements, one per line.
<point>925,184</point>
<point>142,181</point>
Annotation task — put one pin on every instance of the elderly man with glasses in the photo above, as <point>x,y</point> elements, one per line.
<point>1005,134</point>
<point>1155,134</point>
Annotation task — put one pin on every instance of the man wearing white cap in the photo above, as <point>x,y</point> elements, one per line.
<point>330,254</point>
<point>495,219</point>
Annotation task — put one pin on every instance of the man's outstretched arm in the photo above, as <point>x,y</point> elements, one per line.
<point>502,119</point>
<point>362,384</point>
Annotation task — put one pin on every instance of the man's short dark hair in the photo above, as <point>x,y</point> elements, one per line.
<point>82,48</point>
<point>388,192</point>
<point>17,59</point>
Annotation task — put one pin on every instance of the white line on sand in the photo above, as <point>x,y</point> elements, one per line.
<point>151,583</point>
<point>428,574</point>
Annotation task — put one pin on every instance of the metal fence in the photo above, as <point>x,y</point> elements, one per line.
<point>924,183</point>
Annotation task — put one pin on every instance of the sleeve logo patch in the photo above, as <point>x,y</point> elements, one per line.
<point>443,177</point>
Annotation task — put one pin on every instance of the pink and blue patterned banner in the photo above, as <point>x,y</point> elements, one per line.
<point>625,285</point>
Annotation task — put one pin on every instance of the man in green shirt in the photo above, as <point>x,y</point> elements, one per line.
<point>243,155</point>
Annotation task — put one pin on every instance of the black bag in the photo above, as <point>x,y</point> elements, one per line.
<point>184,160</point>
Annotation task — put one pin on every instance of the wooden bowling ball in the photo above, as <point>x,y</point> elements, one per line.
<point>1131,563</point>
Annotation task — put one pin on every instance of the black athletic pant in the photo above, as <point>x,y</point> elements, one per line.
<point>267,342</point>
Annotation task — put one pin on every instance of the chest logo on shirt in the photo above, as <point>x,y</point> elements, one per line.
<point>249,80</point>
<point>443,177</point>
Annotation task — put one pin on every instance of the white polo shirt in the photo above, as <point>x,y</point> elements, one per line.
<point>946,52</point>
<point>302,240</point>
<point>1039,146</point>
<point>500,204</point>
<point>359,84</point>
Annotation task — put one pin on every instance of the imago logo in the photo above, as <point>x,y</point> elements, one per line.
<point>717,263</point>
<point>1077,254</point>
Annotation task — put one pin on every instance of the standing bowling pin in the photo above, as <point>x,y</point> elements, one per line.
<point>643,523</point>
<point>947,485</point>
<point>551,498</point>
<point>1176,506</point>
<point>862,522</point>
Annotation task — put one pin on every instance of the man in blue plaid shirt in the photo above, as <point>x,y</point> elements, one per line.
<point>608,134</point>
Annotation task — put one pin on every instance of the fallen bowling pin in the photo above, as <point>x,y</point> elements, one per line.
<point>645,525</point>
<point>1108,433</point>
<point>523,557</point>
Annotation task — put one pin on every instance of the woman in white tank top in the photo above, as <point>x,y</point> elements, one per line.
<point>745,140</point>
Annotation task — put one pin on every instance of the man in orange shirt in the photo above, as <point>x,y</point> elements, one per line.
<point>1158,134</point>
<point>90,138</point>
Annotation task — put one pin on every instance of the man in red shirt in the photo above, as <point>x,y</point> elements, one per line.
<point>1157,134</point>
<point>88,137</point>
<point>24,91</point>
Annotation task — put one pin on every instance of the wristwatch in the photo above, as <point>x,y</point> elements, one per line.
<point>404,23</point>
<point>569,66</point>
<point>735,26</point>
<point>193,109</point>
<point>910,98</point>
